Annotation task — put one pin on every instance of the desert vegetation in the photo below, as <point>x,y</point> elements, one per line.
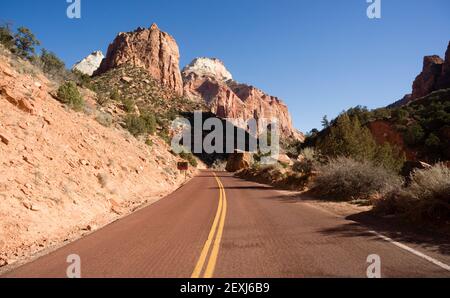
<point>344,178</point>
<point>145,106</point>
<point>68,94</point>
<point>425,198</point>
<point>346,162</point>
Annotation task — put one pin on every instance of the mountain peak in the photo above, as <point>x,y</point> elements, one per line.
<point>208,67</point>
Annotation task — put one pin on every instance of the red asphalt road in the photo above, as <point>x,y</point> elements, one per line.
<point>264,233</point>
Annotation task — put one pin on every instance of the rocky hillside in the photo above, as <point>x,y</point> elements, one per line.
<point>133,90</point>
<point>151,49</point>
<point>209,80</point>
<point>204,80</point>
<point>63,173</point>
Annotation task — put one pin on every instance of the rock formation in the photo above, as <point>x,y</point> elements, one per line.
<point>426,82</point>
<point>207,67</point>
<point>444,80</point>
<point>209,80</point>
<point>204,79</point>
<point>89,64</point>
<point>151,49</point>
<point>435,75</point>
<point>239,161</point>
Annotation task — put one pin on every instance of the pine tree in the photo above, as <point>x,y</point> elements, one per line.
<point>25,43</point>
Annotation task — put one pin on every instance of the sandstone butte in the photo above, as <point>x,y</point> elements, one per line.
<point>204,79</point>
<point>151,49</point>
<point>435,75</point>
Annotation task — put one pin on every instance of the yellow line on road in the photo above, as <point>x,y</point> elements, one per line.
<point>215,251</point>
<point>220,217</point>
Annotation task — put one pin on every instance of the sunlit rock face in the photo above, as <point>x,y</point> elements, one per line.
<point>89,64</point>
<point>149,48</point>
<point>209,80</point>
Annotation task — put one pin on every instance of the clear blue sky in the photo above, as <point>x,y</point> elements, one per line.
<point>319,56</point>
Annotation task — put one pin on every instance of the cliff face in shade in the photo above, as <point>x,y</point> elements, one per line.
<point>151,49</point>
<point>427,81</point>
<point>444,80</point>
<point>89,64</point>
<point>229,99</point>
<point>435,75</point>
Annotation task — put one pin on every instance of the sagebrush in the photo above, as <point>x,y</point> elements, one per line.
<point>426,198</point>
<point>346,179</point>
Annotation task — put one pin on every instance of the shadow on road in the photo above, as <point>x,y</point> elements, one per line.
<point>360,224</point>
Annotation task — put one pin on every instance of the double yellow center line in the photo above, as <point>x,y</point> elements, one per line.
<point>214,238</point>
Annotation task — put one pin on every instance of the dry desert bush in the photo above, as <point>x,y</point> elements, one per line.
<point>426,198</point>
<point>346,179</point>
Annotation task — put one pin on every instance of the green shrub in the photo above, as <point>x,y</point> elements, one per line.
<point>83,79</point>
<point>68,94</point>
<point>433,141</point>
<point>308,162</point>
<point>150,122</point>
<point>389,157</point>
<point>303,167</point>
<point>135,125</point>
<point>115,95</point>
<point>25,43</point>
<point>401,114</point>
<point>347,179</point>
<point>427,198</point>
<point>102,100</point>
<point>128,105</point>
<point>140,125</point>
<point>51,64</point>
<point>188,156</point>
<point>414,134</point>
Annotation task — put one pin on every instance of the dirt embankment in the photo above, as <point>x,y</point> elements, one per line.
<point>62,174</point>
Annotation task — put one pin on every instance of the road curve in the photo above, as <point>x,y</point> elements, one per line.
<point>221,226</point>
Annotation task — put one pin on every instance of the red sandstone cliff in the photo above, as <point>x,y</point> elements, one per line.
<point>208,80</point>
<point>435,75</point>
<point>151,49</point>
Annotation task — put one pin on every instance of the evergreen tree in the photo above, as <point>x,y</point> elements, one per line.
<point>25,43</point>
<point>348,138</point>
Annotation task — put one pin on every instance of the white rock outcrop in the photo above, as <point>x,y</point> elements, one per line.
<point>208,67</point>
<point>89,64</point>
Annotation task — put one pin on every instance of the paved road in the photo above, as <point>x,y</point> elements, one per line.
<point>221,226</point>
